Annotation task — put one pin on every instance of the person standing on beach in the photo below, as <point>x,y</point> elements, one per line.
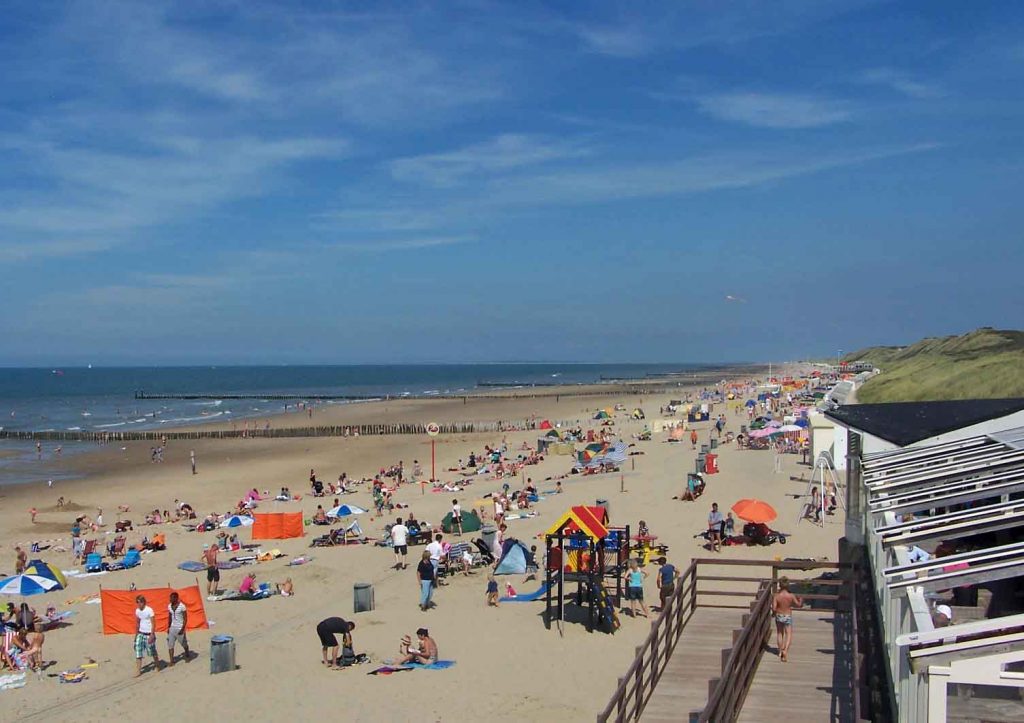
<point>212,571</point>
<point>666,581</point>
<point>456,518</point>
<point>693,439</point>
<point>177,627</point>
<point>192,459</point>
<point>39,450</point>
<point>426,576</point>
<point>20,560</point>
<point>145,637</point>
<point>715,523</point>
<point>782,607</point>
<point>400,541</point>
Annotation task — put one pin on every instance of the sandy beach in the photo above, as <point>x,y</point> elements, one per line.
<point>280,674</point>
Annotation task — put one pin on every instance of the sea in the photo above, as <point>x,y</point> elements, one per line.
<point>103,398</point>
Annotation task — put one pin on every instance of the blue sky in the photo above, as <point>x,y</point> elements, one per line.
<point>472,181</point>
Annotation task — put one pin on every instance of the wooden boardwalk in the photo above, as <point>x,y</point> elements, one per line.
<point>697,659</point>
<point>811,686</point>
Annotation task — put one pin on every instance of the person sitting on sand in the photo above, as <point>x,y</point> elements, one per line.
<point>286,588</point>
<point>320,517</point>
<point>425,651</point>
<point>248,586</point>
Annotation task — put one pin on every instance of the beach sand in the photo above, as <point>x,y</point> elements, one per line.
<point>508,666</point>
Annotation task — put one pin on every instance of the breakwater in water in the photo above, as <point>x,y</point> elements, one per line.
<point>336,430</point>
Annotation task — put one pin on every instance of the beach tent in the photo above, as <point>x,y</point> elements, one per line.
<point>591,520</point>
<point>603,414</point>
<point>554,433</point>
<point>45,569</point>
<point>118,608</point>
<point>470,522</point>
<point>545,424</point>
<point>277,526</point>
<point>595,455</point>
<point>638,413</point>
<point>513,558</point>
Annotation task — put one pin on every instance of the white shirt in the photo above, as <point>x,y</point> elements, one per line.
<point>145,617</point>
<point>177,615</point>
<point>399,534</point>
<point>456,510</point>
<point>436,549</point>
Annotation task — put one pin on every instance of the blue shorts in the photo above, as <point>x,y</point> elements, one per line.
<point>634,593</point>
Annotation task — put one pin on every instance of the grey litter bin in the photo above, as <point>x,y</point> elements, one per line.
<point>487,533</point>
<point>604,503</point>
<point>703,449</point>
<point>362,597</point>
<point>700,464</point>
<point>222,654</point>
<point>714,443</point>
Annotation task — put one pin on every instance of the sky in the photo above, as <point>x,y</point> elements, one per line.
<point>304,182</point>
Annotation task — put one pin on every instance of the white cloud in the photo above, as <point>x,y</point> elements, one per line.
<point>503,153</point>
<point>901,82</point>
<point>623,42</point>
<point>407,244</point>
<point>775,110</point>
<point>680,177</point>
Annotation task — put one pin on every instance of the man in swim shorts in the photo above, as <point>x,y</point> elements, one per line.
<point>782,607</point>
<point>212,572</point>
<point>327,630</point>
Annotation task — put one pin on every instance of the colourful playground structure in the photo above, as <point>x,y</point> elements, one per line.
<point>583,548</point>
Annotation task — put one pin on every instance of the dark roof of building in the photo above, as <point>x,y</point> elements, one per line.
<point>904,423</point>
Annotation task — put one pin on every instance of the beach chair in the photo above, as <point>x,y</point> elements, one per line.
<point>116,548</point>
<point>88,548</point>
<point>132,558</point>
<point>94,562</point>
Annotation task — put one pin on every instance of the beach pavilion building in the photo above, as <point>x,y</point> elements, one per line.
<point>935,495</point>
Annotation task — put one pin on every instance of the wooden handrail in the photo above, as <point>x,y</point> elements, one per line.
<point>637,685</point>
<point>738,671</point>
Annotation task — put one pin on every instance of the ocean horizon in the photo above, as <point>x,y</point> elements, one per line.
<point>103,398</point>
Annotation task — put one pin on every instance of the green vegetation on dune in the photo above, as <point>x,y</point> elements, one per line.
<point>986,363</point>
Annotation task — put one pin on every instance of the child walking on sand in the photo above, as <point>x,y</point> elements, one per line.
<point>492,591</point>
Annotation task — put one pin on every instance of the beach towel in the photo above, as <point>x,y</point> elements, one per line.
<point>192,566</point>
<point>388,669</point>
<point>72,676</point>
<point>12,681</point>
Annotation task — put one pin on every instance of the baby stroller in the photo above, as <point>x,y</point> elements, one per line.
<point>758,533</point>
<point>485,551</point>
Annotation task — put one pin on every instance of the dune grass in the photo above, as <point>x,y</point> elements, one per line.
<point>983,364</point>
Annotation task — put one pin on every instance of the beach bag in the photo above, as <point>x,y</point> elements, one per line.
<point>348,655</point>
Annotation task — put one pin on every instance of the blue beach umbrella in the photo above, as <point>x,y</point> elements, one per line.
<point>345,511</point>
<point>237,521</point>
<point>26,585</point>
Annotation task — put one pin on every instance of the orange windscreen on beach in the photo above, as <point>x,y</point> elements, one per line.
<point>118,608</point>
<point>277,526</point>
